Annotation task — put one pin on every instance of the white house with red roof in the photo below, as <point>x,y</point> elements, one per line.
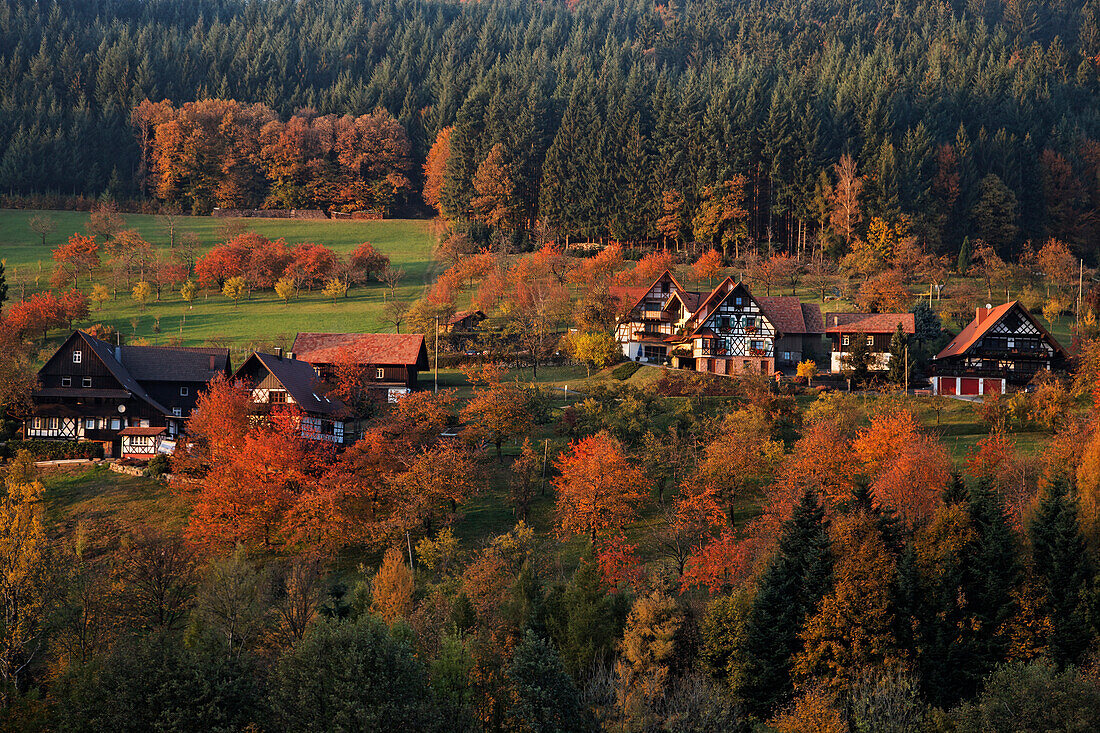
<point>1002,349</point>
<point>877,329</point>
<point>725,331</point>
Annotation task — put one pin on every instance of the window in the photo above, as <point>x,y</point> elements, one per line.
<point>664,287</point>
<point>66,381</point>
<point>36,423</point>
<point>725,322</point>
<point>116,423</point>
<point>380,373</point>
<point>737,300</point>
<point>89,423</point>
<point>870,340</point>
<point>277,396</point>
<point>86,382</point>
<point>77,356</point>
<point>178,412</point>
<point>843,340</point>
<point>184,391</point>
<point>51,423</point>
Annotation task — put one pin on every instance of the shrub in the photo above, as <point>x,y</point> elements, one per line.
<point>158,466</point>
<point>56,450</point>
<point>626,370</point>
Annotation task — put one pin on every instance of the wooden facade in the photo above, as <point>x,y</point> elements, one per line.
<point>1001,350</point>
<point>295,390</point>
<point>88,390</point>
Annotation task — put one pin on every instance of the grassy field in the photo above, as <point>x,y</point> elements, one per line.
<point>264,320</point>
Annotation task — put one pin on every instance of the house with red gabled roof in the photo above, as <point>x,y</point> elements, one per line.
<point>875,328</point>
<point>389,363</point>
<point>724,331</point>
<point>1001,350</point>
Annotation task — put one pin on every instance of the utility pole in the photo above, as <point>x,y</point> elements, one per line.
<point>1080,277</point>
<point>437,354</point>
<point>906,365</point>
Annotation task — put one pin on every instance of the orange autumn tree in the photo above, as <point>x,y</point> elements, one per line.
<point>217,426</point>
<point>822,460</point>
<point>852,633</point>
<point>79,253</point>
<point>707,267</point>
<point>599,489</point>
<point>995,462</point>
<point>737,464</point>
<point>435,168</point>
<point>246,495</point>
<point>908,469</point>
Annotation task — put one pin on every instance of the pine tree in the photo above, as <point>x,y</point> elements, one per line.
<point>1062,565</point>
<point>963,264</point>
<point>3,286</point>
<point>795,581</point>
<point>543,696</point>
<point>899,357</point>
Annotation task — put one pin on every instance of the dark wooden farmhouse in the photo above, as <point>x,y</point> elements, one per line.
<point>465,321</point>
<point>387,363</point>
<point>1001,350</point>
<point>92,390</point>
<point>876,328</point>
<point>283,385</point>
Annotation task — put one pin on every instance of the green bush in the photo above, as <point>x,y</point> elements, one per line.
<point>625,370</point>
<point>158,466</point>
<point>55,450</point>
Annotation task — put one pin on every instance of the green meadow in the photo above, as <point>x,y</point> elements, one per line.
<point>262,320</point>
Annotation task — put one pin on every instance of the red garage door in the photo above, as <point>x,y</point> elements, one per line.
<point>992,386</point>
<point>969,385</point>
<point>947,385</point>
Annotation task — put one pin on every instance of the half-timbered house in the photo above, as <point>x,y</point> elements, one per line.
<point>1001,350</point>
<point>725,331</point>
<point>92,390</point>
<point>293,389</point>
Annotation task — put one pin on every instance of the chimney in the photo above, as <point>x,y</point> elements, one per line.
<point>278,352</point>
<point>118,354</point>
<point>290,354</point>
<point>211,362</point>
<point>981,313</point>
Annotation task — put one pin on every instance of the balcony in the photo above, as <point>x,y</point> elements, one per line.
<point>656,315</point>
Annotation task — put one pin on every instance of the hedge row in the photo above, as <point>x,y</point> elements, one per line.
<point>54,450</point>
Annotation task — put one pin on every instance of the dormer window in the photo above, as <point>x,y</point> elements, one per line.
<point>77,357</point>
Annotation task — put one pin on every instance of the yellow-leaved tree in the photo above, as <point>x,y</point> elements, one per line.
<point>25,588</point>
<point>852,633</point>
<point>392,590</point>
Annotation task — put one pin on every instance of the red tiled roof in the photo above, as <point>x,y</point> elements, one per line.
<point>788,314</point>
<point>406,349</point>
<point>974,330</point>
<point>869,322</point>
<point>143,431</point>
<point>462,315</point>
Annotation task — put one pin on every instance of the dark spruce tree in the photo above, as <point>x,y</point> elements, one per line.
<point>1065,574</point>
<point>543,696</point>
<point>794,583</point>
